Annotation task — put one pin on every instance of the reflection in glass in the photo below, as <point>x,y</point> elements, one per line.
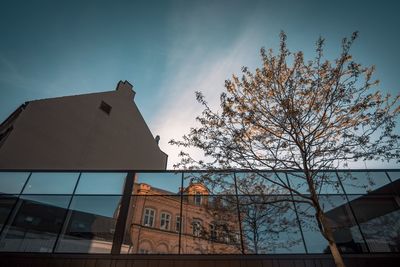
<point>379,219</point>
<point>394,175</point>
<point>215,183</point>
<point>167,183</point>
<point>149,227</point>
<point>34,224</point>
<point>90,225</point>
<point>363,182</point>
<point>269,225</point>
<point>265,183</point>
<point>325,183</point>
<point>6,205</point>
<point>51,183</point>
<point>212,227</point>
<point>345,230</point>
<point>106,183</point>
<point>12,182</point>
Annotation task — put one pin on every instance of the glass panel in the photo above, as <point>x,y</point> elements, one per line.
<point>328,183</point>
<point>90,225</point>
<point>6,205</point>
<point>157,183</point>
<point>298,182</point>
<point>379,219</point>
<point>147,230</point>
<point>212,227</point>
<point>35,224</point>
<point>325,183</point>
<point>101,183</point>
<point>339,216</point>
<point>394,175</point>
<point>212,183</point>
<point>51,183</point>
<point>269,225</point>
<point>12,182</point>
<point>265,183</point>
<point>364,182</point>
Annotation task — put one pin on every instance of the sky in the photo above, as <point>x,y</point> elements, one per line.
<point>170,49</point>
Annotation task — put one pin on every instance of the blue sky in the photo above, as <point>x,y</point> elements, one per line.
<point>169,49</point>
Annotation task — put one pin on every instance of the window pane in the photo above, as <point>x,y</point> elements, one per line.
<point>339,216</point>
<point>101,183</point>
<point>51,183</point>
<point>379,219</point>
<point>209,183</point>
<point>298,182</point>
<point>212,228</point>
<point>261,183</point>
<point>145,233</point>
<point>166,183</point>
<point>269,225</point>
<point>394,175</point>
<point>363,182</point>
<point>90,225</point>
<point>325,183</point>
<point>328,183</point>
<point>35,224</point>
<point>6,205</point>
<point>12,182</point>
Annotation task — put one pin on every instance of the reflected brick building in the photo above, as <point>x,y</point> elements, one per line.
<point>188,223</point>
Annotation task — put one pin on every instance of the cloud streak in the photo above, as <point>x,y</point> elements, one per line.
<point>201,71</point>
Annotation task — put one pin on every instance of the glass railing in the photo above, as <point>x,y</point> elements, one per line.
<point>199,212</point>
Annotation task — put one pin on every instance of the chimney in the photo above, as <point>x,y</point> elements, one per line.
<point>157,139</point>
<point>126,88</point>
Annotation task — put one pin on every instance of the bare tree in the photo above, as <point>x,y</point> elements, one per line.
<point>296,115</point>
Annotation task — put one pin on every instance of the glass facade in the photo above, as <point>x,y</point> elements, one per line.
<point>197,212</point>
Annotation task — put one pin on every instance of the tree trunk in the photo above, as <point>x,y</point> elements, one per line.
<point>328,234</point>
<point>323,225</point>
<point>337,257</point>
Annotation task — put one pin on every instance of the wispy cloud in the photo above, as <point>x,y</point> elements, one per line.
<point>201,71</point>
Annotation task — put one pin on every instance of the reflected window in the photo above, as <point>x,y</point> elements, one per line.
<point>150,224</point>
<point>178,224</point>
<point>51,183</point>
<point>165,220</point>
<point>148,218</point>
<point>34,224</point>
<point>213,232</point>
<point>106,183</point>
<point>12,182</point>
<point>90,225</point>
<point>197,198</point>
<point>197,227</point>
<point>213,227</point>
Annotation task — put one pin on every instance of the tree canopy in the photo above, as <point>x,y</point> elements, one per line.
<point>298,115</point>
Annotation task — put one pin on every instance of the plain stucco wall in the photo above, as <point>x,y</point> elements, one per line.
<point>74,133</point>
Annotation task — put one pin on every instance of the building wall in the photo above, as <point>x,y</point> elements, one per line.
<point>152,239</point>
<point>72,132</point>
